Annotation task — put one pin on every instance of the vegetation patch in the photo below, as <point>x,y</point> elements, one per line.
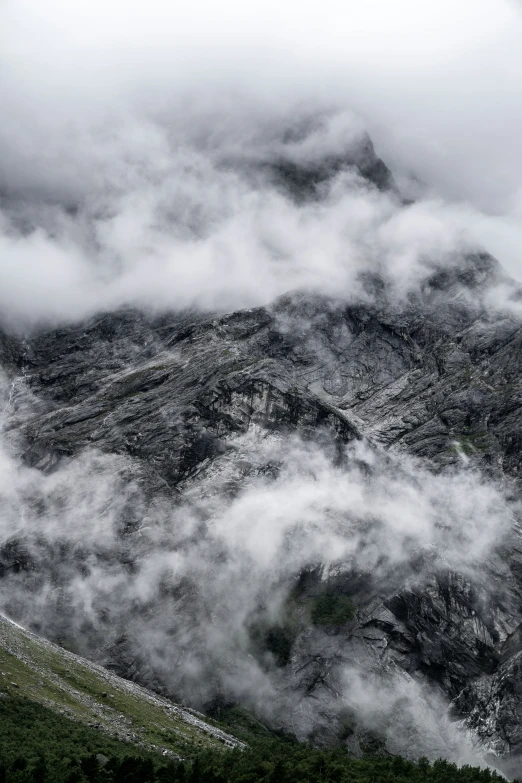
<point>277,640</point>
<point>331,609</point>
<point>310,602</point>
<point>473,443</point>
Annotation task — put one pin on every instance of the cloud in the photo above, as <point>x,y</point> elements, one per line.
<point>179,228</point>
<point>133,132</point>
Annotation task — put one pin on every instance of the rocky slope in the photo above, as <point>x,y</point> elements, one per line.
<point>187,416</point>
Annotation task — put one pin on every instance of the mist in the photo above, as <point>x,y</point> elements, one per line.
<point>134,139</point>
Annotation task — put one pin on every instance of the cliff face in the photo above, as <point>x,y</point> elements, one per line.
<point>388,636</point>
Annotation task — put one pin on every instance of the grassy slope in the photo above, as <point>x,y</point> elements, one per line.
<point>33,668</point>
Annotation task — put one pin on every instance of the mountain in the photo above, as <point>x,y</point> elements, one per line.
<point>309,508</point>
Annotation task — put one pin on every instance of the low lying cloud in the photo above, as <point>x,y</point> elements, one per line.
<point>239,246</point>
<point>135,146</point>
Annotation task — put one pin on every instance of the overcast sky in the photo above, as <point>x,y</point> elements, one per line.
<point>95,93</point>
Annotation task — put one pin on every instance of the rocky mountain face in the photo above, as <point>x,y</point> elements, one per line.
<point>187,505</point>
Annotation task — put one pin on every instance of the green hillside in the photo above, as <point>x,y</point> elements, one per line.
<point>34,669</point>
